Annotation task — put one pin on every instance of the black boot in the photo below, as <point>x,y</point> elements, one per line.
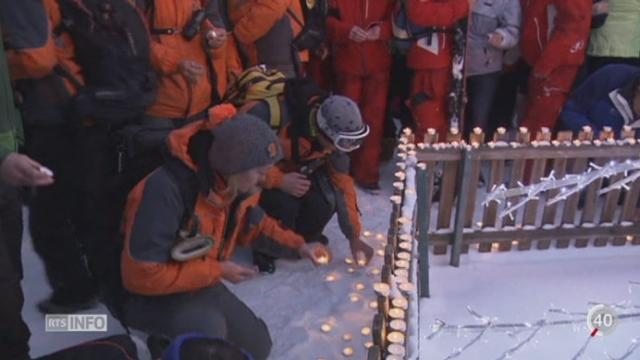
<point>264,262</point>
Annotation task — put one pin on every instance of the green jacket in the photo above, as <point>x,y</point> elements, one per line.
<point>10,121</point>
<point>620,35</point>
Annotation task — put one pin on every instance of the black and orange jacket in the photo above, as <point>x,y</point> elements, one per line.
<point>176,97</point>
<point>265,30</point>
<point>336,166</point>
<point>153,218</point>
<point>55,50</point>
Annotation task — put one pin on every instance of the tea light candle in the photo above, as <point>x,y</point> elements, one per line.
<point>402,264</point>
<point>407,287</point>
<point>351,270</point>
<point>373,305</point>
<point>354,298</point>
<point>405,237</point>
<point>396,313</point>
<point>368,344</point>
<point>362,262</point>
<point>326,327</point>
<point>396,199</point>
<point>380,237</point>
<point>398,325</point>
<point>403,255</point>
<point>382,289</point>
<point>347,337</point>
<point>402,273</point>
<point>395,337</point>
<point>366,233</point>
<point>405,245</point>
<point>322,259</point>
<point>330,278</point>
<point>400,302</point>
<point>375,272</point>
<point>348,261</point>
<point>360,286</point>
<point>366,331</point>
<point>348,351</point>
<point>380,252</point>
<point>396,349</point>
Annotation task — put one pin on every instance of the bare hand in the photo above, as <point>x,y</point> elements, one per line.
<point>496,39</point>
<point>216,38</point>
<point>373,33</point>
<point>361,251</point>
<point>21,170</point>
<point>295,184</point>
<point>237,273</point>
<point>192,71</point>
<point>357,34</point>
<point>317,253</point>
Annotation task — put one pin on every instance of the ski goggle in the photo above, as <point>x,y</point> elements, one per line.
<point>343,141</point>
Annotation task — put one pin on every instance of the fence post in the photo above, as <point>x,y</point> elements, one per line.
<point>424,189</point>
<point>463,184</point>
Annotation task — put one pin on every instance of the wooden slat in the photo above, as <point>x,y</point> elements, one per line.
<point>559,169</point>
<point>631,196</point>
<point>431,138</point>
<point>447,189</point>
<point>571,204</point>
<point>543,137</point>
<point>590,200</point>
<point>517,176</point>
<point>530,152</point>
<point>476,139</point>
<point>496,179</point>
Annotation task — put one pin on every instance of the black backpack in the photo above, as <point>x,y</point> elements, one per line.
<point>112,46</point>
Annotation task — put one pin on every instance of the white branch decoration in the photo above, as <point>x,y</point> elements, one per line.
<point>568,185</point>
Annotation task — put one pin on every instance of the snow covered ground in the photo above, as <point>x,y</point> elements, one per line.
<point>514,287</point>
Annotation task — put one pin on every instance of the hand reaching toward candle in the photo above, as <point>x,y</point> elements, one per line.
<point>236,273</point>
<point>317,253</point>
<point>361,251</point>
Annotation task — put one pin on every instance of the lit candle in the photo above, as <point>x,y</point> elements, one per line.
<point>380,252</point>
<point>400,302</point>
<point>403,255</point>
<point>373,305</point>
<point>405,245</point>
<point>406,237</point>
<point>351,270</point>
<point>382,289</point>
<point>366,331</point>
<point>402,264</point>
<point>395,337</point>
<point>380,237</point>
<point>396,313</point>
<point>360,286</point>
<point>396,199</point>
<point>375,272</point>
<point>407,287</point>
<point>396,349</point>
<point>398,185</point>
<point>402,273</point>
<point>354,298</point>
<point>348,261</point>
<point>347,337</point>
<point>326,328</point>
<point>398,325</point>
<point>368,344</point>
<point>330,278</point>
<point>366,233</point>
<point>348,351</point>
<point>322,259</point>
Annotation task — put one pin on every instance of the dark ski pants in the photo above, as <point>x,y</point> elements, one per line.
<point>14,333</point>
<point>307,216</point>
<point>214,311</point>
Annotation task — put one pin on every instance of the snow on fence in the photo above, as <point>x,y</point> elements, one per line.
<point>562,192</point>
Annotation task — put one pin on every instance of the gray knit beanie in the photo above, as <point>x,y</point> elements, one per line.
<point>244,142</point>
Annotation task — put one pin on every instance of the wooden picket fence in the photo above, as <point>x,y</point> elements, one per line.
<point>454,220</point>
